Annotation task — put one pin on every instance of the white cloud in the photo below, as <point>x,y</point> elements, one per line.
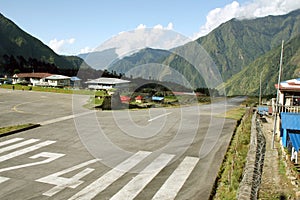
<point>71,40</point>
<point>158,26</point>
<point>170,26</point>
<point>141,26</point>
<point>86,50</point>
<point>157,37</point>
<point>59,45</point>
<point>251,9</point>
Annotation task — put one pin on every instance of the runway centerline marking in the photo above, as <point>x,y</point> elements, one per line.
<point>59,119</point>
<point>159,116</point>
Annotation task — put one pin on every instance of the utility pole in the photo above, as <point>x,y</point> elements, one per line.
<point>277,95</point>
<point>259,102</point>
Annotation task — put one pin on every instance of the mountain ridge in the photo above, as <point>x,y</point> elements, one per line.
<point>267,66</point>
<point>233,46</point>
<point>18,49</point>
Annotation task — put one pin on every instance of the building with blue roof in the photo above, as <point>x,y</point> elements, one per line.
<point>75,82</point>
<point>289,113</point>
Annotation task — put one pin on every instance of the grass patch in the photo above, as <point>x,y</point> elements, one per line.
<point>54,89</point>
<point>282,169</point>
<point>13,128</point>
<point>236,113</point>
<point>232,168</point>
<point>94,102</point>
<point>250,101</point>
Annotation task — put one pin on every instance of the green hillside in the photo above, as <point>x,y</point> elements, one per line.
<point>20,51</point>
<point>151,64</point>
<point>237,43</point>
<point>247,81</point>
<point>232,46</point>
<point>144,56</point>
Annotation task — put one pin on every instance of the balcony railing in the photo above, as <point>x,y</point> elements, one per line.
<point>292,109</point>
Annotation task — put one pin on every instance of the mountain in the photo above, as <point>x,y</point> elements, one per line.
<point>22,52</point>
<point>144,56</point>
<point>100,59</point>
<point>237,43</point>
<point>247,81</point>
<point>233,46</point>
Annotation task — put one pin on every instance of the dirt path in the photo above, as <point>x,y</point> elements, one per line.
<point>275,184</point>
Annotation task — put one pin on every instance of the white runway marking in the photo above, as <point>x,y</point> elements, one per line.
<point>107,179</point>
<point>10,141</point>
<point>59,119</point>
<point>159,116</point>
<point>137,184</point>
<point>50,157</point>
<point>61,183</point>
<point>174,183</point>
<point>3,179</point>
<point>15,146</point>
<point>26,150</point>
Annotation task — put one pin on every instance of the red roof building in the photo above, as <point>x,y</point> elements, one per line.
<point>125,99</point>
<point>139,99</point>
<point>30,78</point>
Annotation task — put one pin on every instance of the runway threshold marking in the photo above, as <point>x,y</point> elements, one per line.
<point>137,184</point>
<point>49,158</point>
<point>173,184</point>
<point>25,150</point>
<point>107,179</point>
<point>61,183</point>
<point>159,116</point>
<point>169,190</point>
<point>15,146</point>
<point>10,141</point>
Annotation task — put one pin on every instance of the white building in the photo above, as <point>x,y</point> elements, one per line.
<point>58,80</point>
<point>30,78</point>
<point>107,83</point>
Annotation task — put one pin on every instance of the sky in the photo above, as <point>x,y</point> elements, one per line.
<point>77,26</point>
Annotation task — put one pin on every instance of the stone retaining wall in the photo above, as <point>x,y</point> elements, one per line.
<point>251,180</point>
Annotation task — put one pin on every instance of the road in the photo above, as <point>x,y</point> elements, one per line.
<point>159,153</point>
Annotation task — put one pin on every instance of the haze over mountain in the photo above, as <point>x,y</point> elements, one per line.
<point>100,59</point>
<point>127,43</point>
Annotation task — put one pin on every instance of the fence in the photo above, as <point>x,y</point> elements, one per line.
<point>251,180</point>
<point>293,109</point>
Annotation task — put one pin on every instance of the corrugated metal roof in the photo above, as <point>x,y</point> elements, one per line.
<point>75,78</point>
<point>293,84</point>
<point>154,98</point>
<point>109,81</point>
<point>295,139</point>
<point>32,75</point>
<point>58,77</point>
<point>290,121</point>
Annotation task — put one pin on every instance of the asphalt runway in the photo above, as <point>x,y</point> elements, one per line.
<point>158,153</point>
